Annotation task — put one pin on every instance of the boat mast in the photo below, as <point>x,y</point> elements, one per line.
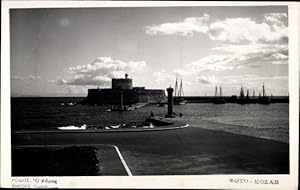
<point>175,92</point>
<point>242,95</point>
<point>264,92</point>
<point>247,96</point>
<point>253,93</point>
<point>216,91</point>
<point>220,91</point>
<point>181,89</point>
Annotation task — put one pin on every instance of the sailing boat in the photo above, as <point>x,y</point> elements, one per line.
<point>264,99</point>
<point>242,99</point>
<point>219,99</point>
<point>178,97</point>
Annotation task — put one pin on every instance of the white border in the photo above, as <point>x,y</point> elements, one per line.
<point>178,182</point>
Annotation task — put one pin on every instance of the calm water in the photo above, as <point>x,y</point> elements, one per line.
<point>265,121</point>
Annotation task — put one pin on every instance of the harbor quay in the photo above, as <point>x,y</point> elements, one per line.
<point>122,93</point>
<point>181,149</point>
<point>186,151</point>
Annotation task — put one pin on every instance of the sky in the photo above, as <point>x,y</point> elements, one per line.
<point>64,52</point>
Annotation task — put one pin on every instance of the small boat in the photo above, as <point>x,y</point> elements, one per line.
<point>72,127</point>
<point>162,104</point>
<point>115,126</point>
<point>179,101</point>
<point>178,98</point>
<point>243,99</point>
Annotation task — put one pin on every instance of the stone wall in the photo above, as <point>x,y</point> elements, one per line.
<point>121,83</point>
<point>113,96</point>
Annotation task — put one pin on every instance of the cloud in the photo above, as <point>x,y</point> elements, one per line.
<point>214,63</point>
<point>163,76</point>
<point>250,81</point>
<point>73,90</point>
<point>207,80</point>
<point>250,55</point>
<point>107,66</point>
<point>100,72</point>
<point>235,30</point>
<point>271,29</point>
<point>29,77</point>
<point>85,80</point>
<point>275,18</point>
<point>179,73</point>
<point>280,56</point>
<point>252,77</point>
<point>58,81</point>
<point>253,48</point>
<point>228,57</point>
<point>186,27</point>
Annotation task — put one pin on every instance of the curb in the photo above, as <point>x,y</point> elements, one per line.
<point>100,130</point>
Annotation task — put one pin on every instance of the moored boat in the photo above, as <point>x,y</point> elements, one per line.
<point>178,97</point>
<point>219,99</point>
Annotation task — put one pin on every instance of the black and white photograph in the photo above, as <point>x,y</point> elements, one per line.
<point>150,91</point>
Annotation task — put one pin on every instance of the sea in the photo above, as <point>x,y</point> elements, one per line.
<point>257,120</point>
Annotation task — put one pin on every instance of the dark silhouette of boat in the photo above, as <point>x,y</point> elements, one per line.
<point>219,99</point>
<point>242,98</point>
<point>179,101</point>
<point>178,98</point>
<point>264,99</point>
<point>245,99</point>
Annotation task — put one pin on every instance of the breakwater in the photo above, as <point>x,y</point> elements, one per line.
<point>232,99</point>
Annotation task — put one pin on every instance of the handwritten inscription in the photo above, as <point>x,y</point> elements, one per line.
<point>27,182</point>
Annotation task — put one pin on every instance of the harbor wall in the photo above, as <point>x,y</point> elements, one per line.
<point>232,99</point>
<point>121,83</point>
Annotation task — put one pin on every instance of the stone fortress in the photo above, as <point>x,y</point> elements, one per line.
<point>122,92</point>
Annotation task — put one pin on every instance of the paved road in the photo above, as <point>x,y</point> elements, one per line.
<point>187,151</point>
